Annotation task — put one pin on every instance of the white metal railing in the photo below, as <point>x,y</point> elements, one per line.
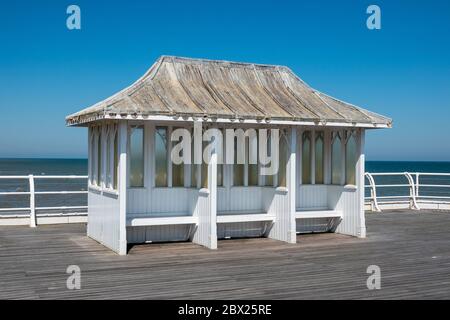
<point>432,194</point>
<point>32,209</point>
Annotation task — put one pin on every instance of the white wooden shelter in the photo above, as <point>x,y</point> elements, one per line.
<point>136,195</point>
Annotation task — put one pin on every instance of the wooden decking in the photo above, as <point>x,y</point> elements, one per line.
<point>411,248</point>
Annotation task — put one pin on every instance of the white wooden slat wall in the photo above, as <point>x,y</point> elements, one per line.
<point>239,199</point>
<point>104,219</point>
<point>277,204</point>
<point>312,197</point>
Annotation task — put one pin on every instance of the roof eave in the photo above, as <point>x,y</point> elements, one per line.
<point>83,120</point>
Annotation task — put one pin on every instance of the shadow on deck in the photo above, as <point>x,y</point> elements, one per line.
<point>411,248</point>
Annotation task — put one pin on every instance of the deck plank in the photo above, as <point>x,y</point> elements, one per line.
<point>411,248</point>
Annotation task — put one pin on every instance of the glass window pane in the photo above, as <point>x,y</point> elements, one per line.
<point>177,169</point>
<point>238,175</point>
<point>268,179</point>
<point>204,167</point>
<point>193,168</point>
<point>336,160</point>
<point>282,161</point>
<point>220,175</point>
<point>319,158</point>
<point>99,158</point>
<point>306,158</point>
<point>108,160</point>
<point>238,169</point>
<point>161,157</point>
<point>116,160</point>
<point>351,158</point>
<point>252,174</point>
<point>137,157</point>
<point>252,168</point>
<point>92,157</point>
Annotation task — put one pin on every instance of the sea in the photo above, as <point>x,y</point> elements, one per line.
<point>79,167</point>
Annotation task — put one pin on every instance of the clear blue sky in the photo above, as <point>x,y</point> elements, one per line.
<point>402,70</point>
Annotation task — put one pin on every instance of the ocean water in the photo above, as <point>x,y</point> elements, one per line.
<point>43,167</point>
<point>411,167</point>
<point>79,167</point>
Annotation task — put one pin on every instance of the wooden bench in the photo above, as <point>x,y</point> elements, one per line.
<point>138,220</point>
<point>316,214</point>
<point>233,217</point>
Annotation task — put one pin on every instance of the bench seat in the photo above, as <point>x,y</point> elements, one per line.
<point>315,214</point>
<point>232,217</point>
<point>138,220</point>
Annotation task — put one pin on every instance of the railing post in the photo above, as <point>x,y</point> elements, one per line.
<point>32,202</point>
<point>373,192</point>
<point>412,192</point>
<point>417,185</point>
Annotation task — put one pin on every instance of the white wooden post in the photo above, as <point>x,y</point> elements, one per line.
<point>284,227</point>
<point>123,135</point>
<point>212,187</point>
<point>360,171</point>
<point>32,202</point>
<point>206,230</point>
<point>291,175</point>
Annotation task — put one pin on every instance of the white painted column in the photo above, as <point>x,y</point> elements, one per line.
<point>206,210</point>
<point>123,137</point>
<point>291,175</point>
<point>284,204</point>
<point>360,171</point>
<point>32,202</point>
<point>212,187</point>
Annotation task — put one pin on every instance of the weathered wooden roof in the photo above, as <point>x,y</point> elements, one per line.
<point>182,87</point>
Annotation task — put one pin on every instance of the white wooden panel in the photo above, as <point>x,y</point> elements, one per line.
<point>283,200</point>
<point>159,200</point>
<point>312,197</point>
<point>346,199</point>
<point>205,233</point>
<point>276,203</point>
<point>104,219</point>
<point>239,199</point>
